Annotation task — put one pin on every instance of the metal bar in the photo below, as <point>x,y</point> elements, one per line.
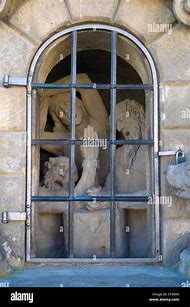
<point>156,159</point>
<point>116,261</point>
<point>72,137</point>
<point>14,80</point>
<point>167,153</point>
<point>93,85</point>
<point>29,167</point>
<point>122,198</point>
<point>113,137</point>
<point>79,142</point>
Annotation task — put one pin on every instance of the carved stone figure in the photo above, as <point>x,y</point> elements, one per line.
<point>130,159</point>
<point>57,170</point>
<point>90,110</point>
<point>178,176</point>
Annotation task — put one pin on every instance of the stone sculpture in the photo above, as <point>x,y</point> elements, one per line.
<point>184,265</point>
<point>130,159</point>
<point>57,171</point>
<point>90,110</point>
<point>178,176</point>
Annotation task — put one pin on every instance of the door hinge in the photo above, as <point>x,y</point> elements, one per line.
<point>13,216</point>
<point>14,80</point>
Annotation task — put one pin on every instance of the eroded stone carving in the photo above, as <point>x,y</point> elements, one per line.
<point>90,110</point>
<point>182,11</point>
<point>130,159</point>
<point>184,265</point>
<point>56,179</point>
<point>4,7</point>
<point>178,176</point>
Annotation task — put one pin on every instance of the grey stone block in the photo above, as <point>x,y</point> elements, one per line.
<point>12,191</point>
<point>91,234</point>
<point>39,19</point>
<point>170,54</point>
<point>175,100</point>
<point>139,16</point>
<point>13,109</point>
<point>16,52</point>
<point>13,152</point>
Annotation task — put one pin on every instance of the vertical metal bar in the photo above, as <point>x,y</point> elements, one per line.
<point>29,168</point>
<point>156,165</point>
<point>113,137</point>
<point>72,137</point>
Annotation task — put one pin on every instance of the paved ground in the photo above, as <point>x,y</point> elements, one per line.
<point>96,276</point>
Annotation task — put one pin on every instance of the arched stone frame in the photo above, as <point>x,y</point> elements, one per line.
<point>52,42</point>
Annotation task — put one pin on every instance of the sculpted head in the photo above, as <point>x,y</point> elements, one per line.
<point>60,108</point>
<point>130,119</point>
<point>57,173</point>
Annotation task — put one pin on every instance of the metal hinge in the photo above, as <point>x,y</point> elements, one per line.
<point>14,80</point>
<point>13,216</point>
<point>179,155</point>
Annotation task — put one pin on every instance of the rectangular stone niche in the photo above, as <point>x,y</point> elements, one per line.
<point>131,233</point>
<point>51,235</point>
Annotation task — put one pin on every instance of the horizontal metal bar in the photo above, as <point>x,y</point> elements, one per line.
<point>14,80</point>
<point>115,261</point>
<point>167,153</point>
<point>8,216</point>
<point>91,198</point>
<point>79,142</point>
<point>93,86</point>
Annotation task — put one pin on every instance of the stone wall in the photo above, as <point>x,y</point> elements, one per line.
<point>27,24</point>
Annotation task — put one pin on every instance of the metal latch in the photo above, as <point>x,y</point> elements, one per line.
<point>13,216</point>
<point>14,80</point>
<point>179,155</point>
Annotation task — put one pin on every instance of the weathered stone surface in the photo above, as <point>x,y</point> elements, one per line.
<point>175,237</point>
<point>91,234</point>
<point>15,53</point>
<point>4,265</point>
<point>92,10</point>
<point>170,54</point>
<point>13,152</point>
<point>13,109</point>
<point>138,16</point>
<point>12,238</point>
<point>184,265</point>
<point>175,100</point>
<point>38,19</point>
<point>4,7</point>
<point>12,191</point>
<point>178,176</point>
<point>175,139</point>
